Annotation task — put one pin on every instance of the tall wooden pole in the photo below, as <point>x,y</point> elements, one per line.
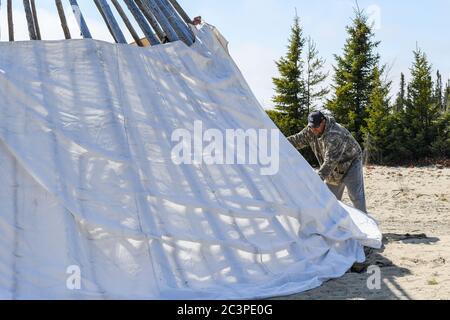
<point>181,11</point>
<point>35,20</point>
<point>182,30</point>
<point>111,21</point>
<point>99,8</point>
<point>62,17</point>
<point>140,19</point>
<point>127,22</point>
<point>10,20</point>
<point>151,19</point>
<point>162,19</point>
<point>80,19</point>
<point>30,20</point>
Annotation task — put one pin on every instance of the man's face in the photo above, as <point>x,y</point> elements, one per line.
<point>319,130</point>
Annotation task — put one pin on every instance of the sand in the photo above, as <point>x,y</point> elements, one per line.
<point>412,206</point>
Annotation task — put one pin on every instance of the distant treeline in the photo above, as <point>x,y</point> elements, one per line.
<point>413,126</point>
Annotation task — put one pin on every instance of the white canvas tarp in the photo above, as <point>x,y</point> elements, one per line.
<point>88,186</point>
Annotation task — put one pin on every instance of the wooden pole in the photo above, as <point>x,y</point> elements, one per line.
<point>140,19</point>
<point>152,20</point>
<point>127,22</point>
<point>30,20</point>
<point>162,19</point>
<point>181,11</point>
<point>80,19</point>
<point>182,30</point>
<point>111,21</point>
<point>35,20</point>
<point>62,17</point>
<point>99,8</point>
<point>10,20</point>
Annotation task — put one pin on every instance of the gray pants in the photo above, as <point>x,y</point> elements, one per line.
<point>354,181</point>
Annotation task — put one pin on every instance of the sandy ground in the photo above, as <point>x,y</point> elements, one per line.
<point>412,206</point>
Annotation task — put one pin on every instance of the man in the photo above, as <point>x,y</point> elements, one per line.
<point>339,155</point>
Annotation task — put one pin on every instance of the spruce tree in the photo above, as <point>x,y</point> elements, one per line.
<point>401,96</point>
<point>376,129</point>
<point>438,92</point>
<point>353,79</point>
<point>298,89</point>
<point>290,85</point>
<point>280,120</point>
<point>441,145</point>
<point>447,97</point>
<point>421,109</point>
<point>315,76</point>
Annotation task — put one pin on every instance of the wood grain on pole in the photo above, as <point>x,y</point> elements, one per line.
<point>35,20</point>
<point>142,22</point>
<point>30,20</point>
<point>62,17</point>
<point>183,31</point>
<point>80,19</point>
<point>112,22</point>
<point>181,11</point>
<point>152,20</point>
<point>127,22</point>
<point>10,20</point>
<point>162,19</point>
<point>99,8</point>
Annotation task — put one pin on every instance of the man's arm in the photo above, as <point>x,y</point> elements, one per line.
<point>333,156</point>
<point>300,140</point>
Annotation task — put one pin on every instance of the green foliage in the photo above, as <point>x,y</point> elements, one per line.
<point>297,89</point>
<point>353,79</point>
<point>421,109</point>
<point>290,86</point>
<point>283,123</point>
<point>417,127</point>
<point>414,127</point>
<point>314,77</point>
<point>440,148</point>
<point>438,93</point>
<point>396,150</point>
<point>447,97</point>
<point>281,120</point>
<point>401,96</point>
<point>377,127</point>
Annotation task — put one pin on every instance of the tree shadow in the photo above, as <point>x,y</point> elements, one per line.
<point>409,238</point>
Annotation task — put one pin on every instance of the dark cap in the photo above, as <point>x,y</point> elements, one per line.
<point>315,119</point>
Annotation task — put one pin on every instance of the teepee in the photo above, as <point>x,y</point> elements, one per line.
<point>93,204</point>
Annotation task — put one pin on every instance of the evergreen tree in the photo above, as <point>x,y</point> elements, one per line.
<point>377,125</point>
<point>290,85</point>
<point>281,121</point>
<point>441,146</point>
<point>353,80</point>
<point>314,77</point>
<point>298,88</point>
<point>401,97</point>
<point>421,110</point>
<point>438,92</point>
<point>447,97</point>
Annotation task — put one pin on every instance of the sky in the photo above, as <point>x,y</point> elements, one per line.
<point>258,31</point>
